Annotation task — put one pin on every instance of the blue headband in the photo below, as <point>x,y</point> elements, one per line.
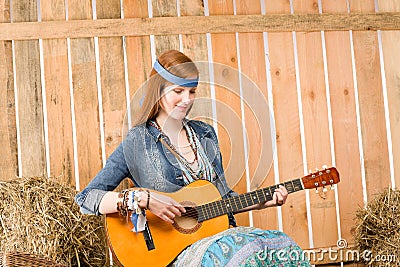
<point>173,78</point>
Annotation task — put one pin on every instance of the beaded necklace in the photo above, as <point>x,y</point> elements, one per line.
<point>204,167</point>
<point>180,157</point>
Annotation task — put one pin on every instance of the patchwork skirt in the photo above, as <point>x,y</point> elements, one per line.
<point>243,246</point>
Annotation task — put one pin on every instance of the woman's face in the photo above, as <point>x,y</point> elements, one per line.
<point>177,101</point>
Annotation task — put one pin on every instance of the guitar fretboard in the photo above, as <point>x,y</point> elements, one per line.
<point>233,204</point>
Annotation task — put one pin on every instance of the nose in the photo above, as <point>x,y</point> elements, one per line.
<point>187,97</point>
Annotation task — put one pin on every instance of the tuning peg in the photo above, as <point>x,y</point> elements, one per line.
<point>309,171</point>
<point>316,190</point>
<point>324,167</point>
<point>332,187</point>
<point>324,189</point>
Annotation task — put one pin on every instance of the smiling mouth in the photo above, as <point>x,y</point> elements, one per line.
<point>182,107</point>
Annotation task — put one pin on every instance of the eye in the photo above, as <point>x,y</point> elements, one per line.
<point>178,90</point>
<point>193,91</point>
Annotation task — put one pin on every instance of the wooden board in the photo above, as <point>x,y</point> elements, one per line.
<point>138,52</point>
<point>29,90</point>
<point>113,86</point>
<point>164,43</point>
<point>227,94</point>
<point>83,67</point>
<point>112,75</point>
<point>344,121</point>
<point>195,47</point>
<point>391,55</point>
<point>58,99</point>
<point>8,130</point>
<point>256,111</point>
<point>316,125</point>
<point>288,138</point>
<point>199,24</point>
<point>370,97</point>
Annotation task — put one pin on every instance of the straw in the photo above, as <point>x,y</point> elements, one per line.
<point>40,217</point>
<point>378,229</point>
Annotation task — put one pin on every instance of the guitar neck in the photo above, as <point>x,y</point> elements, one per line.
<point>236,203</point>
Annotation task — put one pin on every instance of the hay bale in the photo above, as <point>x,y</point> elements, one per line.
<point>40,217</point>
<point>377,234</point>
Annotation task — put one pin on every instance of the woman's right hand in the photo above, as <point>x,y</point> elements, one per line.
<point>163,206</point>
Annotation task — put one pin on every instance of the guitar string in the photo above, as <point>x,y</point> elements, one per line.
<point>218,206</point>
<point>221,205</point>
<point>245,198</point>
<point>215,207</point>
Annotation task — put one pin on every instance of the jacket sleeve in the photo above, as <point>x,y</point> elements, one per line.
<point>106,180</point>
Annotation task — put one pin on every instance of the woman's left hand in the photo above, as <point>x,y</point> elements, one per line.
<point>278,199</point>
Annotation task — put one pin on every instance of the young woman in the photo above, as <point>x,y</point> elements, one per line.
<point>165,151</point>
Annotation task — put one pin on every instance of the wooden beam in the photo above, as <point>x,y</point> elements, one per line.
<point>200,24</point>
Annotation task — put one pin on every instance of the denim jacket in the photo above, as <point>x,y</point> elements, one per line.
<point>149,164</point>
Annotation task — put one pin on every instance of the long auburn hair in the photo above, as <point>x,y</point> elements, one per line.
<point>176,63</point>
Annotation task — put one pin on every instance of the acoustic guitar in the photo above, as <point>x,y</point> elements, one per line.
<point>205,215</point>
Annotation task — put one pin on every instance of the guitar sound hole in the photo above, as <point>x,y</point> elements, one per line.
<point>187,223</point>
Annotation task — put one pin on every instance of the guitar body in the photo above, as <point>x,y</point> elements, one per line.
<point>129,248</point>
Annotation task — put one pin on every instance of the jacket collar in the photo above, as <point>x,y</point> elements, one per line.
<point>200,128</point>
<point>153,131</point>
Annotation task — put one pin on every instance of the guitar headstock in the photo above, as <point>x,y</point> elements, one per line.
<point>322,178</point>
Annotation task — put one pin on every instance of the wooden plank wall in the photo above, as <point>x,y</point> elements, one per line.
<point>8,129</point>
<point>334,98</point>
<point>58,99</point>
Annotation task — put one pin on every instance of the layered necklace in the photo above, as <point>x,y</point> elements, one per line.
<point>191,171</point>
<point>192,144</point>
